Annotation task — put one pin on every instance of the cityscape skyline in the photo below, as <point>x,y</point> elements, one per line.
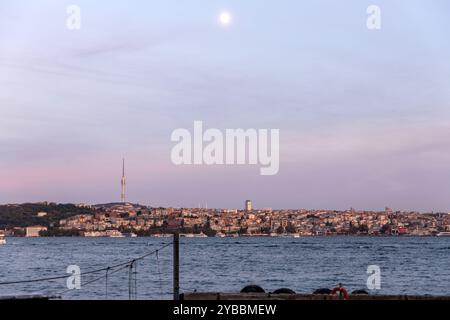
<point>363,114</point>
<point>117,219</point>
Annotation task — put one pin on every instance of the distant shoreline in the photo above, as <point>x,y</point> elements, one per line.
<point>244,236</point>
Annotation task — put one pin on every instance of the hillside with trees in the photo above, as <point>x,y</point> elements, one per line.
<point>24,215</point>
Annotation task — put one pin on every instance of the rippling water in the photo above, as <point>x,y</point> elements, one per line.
<point>408,265</point>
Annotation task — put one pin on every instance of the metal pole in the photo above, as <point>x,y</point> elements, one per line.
<point>176,266</point>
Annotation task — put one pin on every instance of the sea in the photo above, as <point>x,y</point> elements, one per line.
<point>407,265</point>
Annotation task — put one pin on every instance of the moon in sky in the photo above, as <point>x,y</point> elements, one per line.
<point>225,18</point>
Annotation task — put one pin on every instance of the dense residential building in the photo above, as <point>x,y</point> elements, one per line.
<point>34,231</point>
<point>114,219</point>
<point>266,222</point>
<point>248,205</point>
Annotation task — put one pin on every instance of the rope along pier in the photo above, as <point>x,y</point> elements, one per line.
<point>109,270</point>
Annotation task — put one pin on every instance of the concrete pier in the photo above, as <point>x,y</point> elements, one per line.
<point>272,296</point>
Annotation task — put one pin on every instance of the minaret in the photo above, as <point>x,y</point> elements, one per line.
<point>122,182</point>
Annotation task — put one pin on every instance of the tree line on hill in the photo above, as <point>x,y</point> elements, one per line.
<point>25,215</point>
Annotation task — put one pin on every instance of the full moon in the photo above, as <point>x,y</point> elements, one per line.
<point>225,18</point>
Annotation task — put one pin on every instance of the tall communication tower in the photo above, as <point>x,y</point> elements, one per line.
<point>122,183</point>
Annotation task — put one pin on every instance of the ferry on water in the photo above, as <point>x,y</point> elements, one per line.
<point>444,234</point>
<point>130,235</point>
<point>2,239</point>
<point>194,235</point>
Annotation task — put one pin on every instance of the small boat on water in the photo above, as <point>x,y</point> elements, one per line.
<point>115,234</point>
<point>162,235</point>
<point>444,234</point>
<point>200,235</point>
<point>193,235</point>
<point>231,235</point>
<point>2,239</point>
<point>130,235</point>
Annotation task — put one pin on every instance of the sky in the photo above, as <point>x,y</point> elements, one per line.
<point>364,115</point>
